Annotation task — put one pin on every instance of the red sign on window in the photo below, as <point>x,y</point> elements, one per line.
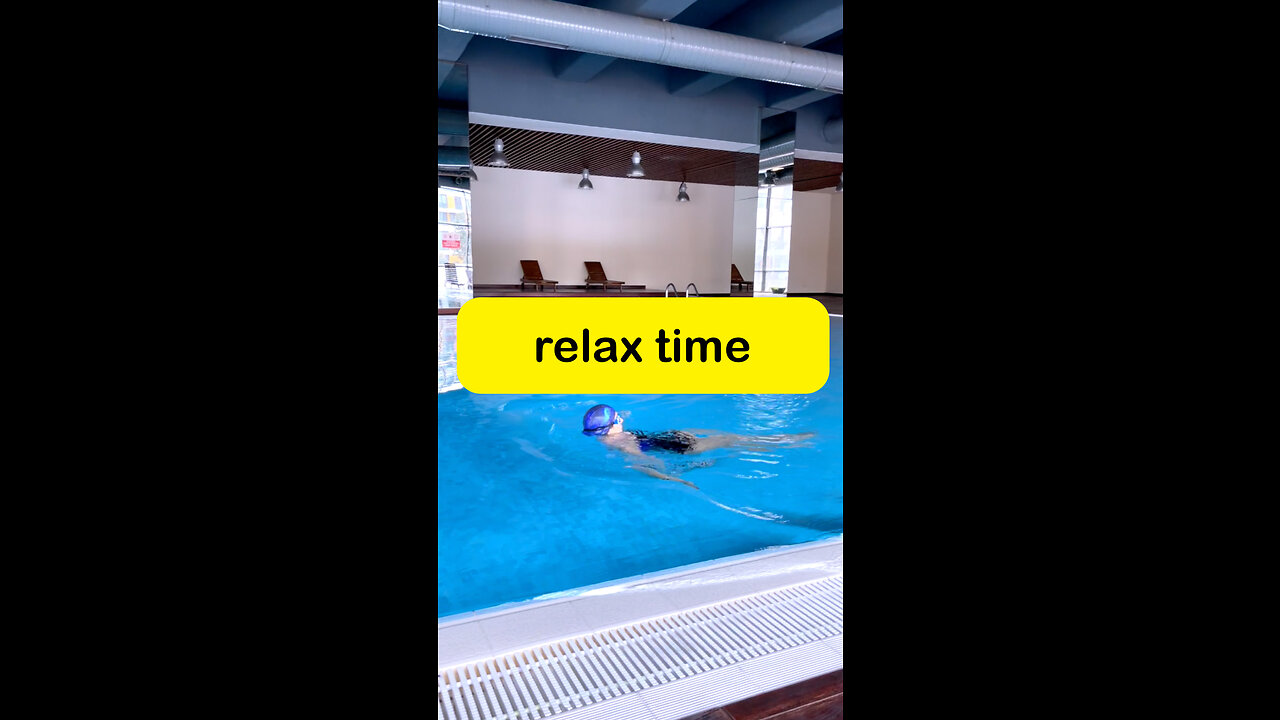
<point>455,244</point>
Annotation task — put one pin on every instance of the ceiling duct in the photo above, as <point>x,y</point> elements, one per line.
<point>778,151</point>
<point>585,29</point>
<point>833,131</point>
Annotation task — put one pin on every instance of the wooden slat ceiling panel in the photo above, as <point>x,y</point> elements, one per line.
<point>813,174</point>
<point>608,157</point>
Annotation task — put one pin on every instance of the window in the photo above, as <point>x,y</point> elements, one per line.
<point>453,248</point>
<point>773,238</point>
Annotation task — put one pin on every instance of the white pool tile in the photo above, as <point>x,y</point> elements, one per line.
<point>652,596</point>
<point>627,707</point>
<point>790,666</point>
<point>636,599</point>
<point>823,557</point>
<point>836,645</point>
<point>534,626</point>
<point>693,591</point>
<point>827,557</point>
<point>460,643</point>
<point>706,691</point>
<point>611,610</point>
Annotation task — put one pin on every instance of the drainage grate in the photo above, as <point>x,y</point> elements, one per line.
<point>550,679</point>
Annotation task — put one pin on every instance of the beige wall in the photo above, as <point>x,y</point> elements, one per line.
<point>745,200</point>
<point>810,242</point>
<point>835,256</point>
<point>634,227</point>
<point>641,234</point>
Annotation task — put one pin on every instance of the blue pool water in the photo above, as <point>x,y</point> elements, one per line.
<point>529,506</point>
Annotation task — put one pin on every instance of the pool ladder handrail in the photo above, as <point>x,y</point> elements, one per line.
<point>695,290</point>
<point>669,288</point>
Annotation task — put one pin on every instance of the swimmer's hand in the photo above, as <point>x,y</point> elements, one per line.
<point>654,473</point>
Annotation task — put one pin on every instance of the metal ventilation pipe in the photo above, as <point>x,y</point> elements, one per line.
<point>778,151</point>
<point>833,131</point>
<point>572,27</point>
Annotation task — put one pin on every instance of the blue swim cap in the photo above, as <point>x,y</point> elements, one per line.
<point>598,420</point>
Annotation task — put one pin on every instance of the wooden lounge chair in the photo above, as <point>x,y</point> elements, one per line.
<point>596,276</point>
<point>737,279</point>
<point>533,275</point>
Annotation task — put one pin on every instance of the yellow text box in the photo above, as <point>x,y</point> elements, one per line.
<point>764,345</point>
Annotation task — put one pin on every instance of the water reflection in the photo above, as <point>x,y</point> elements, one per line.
<point>770,413</point>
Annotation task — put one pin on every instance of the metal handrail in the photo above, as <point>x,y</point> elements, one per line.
<point>670,286</point>
<point>695,290</point>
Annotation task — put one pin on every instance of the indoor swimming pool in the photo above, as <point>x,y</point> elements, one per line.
<point>530,508</point>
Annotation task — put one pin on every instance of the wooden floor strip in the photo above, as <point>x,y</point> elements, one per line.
<point>820,698</point>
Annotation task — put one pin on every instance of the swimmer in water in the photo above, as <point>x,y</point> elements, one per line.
<point>605,422</point>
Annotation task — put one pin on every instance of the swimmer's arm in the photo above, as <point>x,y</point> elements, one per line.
<point>625,444</point>
<point>631,448</point>
<point>650,471</point>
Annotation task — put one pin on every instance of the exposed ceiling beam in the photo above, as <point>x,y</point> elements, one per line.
<point>449,156</point>
<point>691,83</point>
<point>452,122</point>
<point>581,67</point>
<point>799,23</point>
<point>705,13</point>
<point>452,86</point>
<point>449,46</point>
<point>784,97</point>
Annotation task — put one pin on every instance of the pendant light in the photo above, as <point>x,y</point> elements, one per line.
<point>636,170</point>
<point>585,183</point>
<point>499,159</point>
<point>684,195</point>
<point>769,179</point>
